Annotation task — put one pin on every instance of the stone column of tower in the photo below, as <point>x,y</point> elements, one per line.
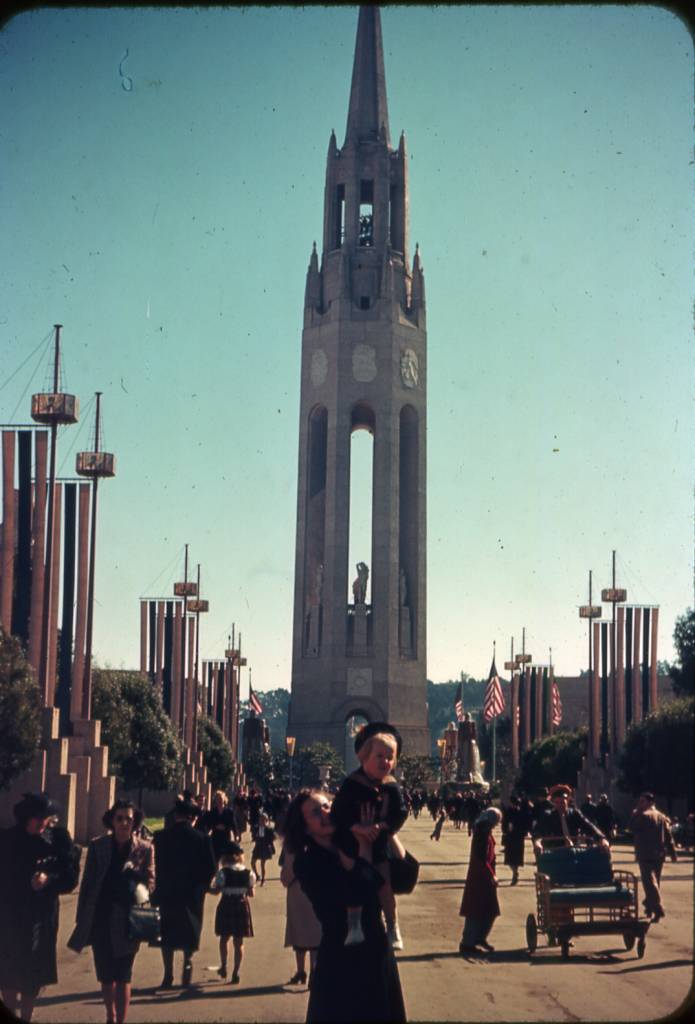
<point>364,367</point>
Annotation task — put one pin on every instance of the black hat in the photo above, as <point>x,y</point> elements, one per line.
<point>186,808</point>
<point>231,849</point>
<point>34,805</point>
<point>371,729</point>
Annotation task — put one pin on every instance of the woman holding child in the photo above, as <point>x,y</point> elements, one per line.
<point>356,980</point>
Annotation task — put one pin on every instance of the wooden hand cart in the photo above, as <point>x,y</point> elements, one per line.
<point>578,893</point>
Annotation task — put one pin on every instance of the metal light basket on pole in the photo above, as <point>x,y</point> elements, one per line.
<point>54,408</point>
<point>94,465</point>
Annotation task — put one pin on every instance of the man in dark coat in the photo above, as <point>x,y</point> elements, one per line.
<point>604,816</point>
<point>561,825</point>
<point>588,808</point>
<point>184,865</point>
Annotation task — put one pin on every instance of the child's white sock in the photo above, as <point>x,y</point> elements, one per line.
<point>355,935</point>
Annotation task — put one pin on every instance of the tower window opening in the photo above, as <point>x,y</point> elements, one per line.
<point>361,499</point>
<point>396,218</point>
<point>339,216</point>
<point>364,302</point>
<point>366,237</point>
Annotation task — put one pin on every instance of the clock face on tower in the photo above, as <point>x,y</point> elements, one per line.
<point>410,368</point>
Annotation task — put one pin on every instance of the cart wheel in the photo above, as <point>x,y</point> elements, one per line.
<point>565,947</point>
<point>641,944</point>
<point>531,933</point>
<point>629,940</point>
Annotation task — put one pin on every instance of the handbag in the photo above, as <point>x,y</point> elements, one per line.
<point>144,924</point>
<point>404,874</point>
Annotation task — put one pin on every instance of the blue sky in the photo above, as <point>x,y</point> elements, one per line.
<point>163,177</point>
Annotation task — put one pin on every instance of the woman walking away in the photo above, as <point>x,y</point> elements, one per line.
<point>350,983</point>
<point>235,883</point>
<point>218,823</point>
<point>514,829</point>
<point>119,867</point>
<point>479,905</point>
<point>302,929</point>
<point>263,847</point>
<point>38,862</point>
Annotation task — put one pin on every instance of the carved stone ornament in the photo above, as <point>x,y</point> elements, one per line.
<point>410,368</point>
<point>359,682</point>
<point>319,367</point>
<point>364,363</point>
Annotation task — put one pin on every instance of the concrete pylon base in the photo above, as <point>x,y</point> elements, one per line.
<point>49,773</point>
<point>89,760</point>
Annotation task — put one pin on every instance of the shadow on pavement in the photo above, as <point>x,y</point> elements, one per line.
<point>443,863</point>
<point>426,957</point>
<point>651,967</point>
<point>209,991</point>
<point>70,997</point>
<point>446,882</point>
<point>575,958</point>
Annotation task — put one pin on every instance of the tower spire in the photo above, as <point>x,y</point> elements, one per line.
<point>368,116</point>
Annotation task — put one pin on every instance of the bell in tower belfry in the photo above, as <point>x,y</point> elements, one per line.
<point>359,626</point>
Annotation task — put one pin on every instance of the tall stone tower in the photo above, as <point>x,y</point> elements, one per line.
<point>364,367</point>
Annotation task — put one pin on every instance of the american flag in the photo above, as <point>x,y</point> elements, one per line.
<point>458,703</point>
<point>254,702</point>
<point>556,703</point>
<point>493,701</point>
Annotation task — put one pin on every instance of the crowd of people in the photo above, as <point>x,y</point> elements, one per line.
<point>341,862</point>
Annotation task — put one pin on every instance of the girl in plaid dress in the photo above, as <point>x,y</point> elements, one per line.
<point>235,883</point>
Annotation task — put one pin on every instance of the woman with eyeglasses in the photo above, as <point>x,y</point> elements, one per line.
<point>38,862</point>
<point>116,864</point>
<point>349,983</point>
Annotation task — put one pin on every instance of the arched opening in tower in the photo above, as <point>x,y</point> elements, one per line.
<point>361,500</point>
<point>315,529</point>
<point>408,530</point>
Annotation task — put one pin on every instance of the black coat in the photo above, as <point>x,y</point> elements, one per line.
<point>28,919</point>
<point>219,825</point>
<point>548,825</point>
<point>349,983</point>
<point>514,829</point>
<point>184,865</point>
<point>386,799</point>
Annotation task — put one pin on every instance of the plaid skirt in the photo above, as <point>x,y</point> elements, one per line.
<point>233,917</point>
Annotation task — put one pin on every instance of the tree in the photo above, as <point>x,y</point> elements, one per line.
<point>556,758</point>
<point>268,769</point>
<point>216,751</point>
<point>417,769</point>
<point>258,768</point>
<point>310,758</point>
<point>683,673</point>
<point>658,752</point>
<point>144,749</point>
<point>20,711</point>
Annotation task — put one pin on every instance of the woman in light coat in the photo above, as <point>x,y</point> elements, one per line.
<point>116,864</point>
<point>302,928</point>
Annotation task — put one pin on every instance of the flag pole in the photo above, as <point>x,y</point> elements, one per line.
<point>494,727</point>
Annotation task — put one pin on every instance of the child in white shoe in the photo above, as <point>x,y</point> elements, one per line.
<point>369,806</point>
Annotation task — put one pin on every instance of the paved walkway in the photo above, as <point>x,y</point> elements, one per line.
<point>601,981</point>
